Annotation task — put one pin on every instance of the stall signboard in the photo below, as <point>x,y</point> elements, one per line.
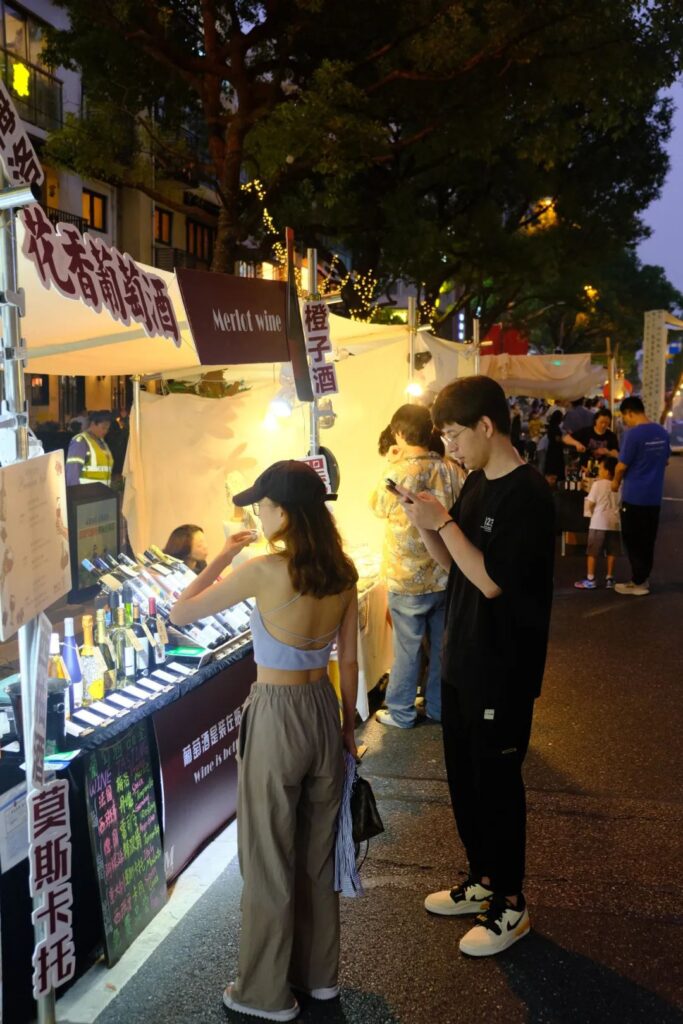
<point>34,539</point>
<point>85,268</point>
<point>54,957</point>
<point>197,745</point>
<point>125,836</point>
<point>22,166</point>
<point>318,344</point>
<point>235,319</point>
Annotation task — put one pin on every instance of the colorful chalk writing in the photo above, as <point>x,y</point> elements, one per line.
<point>124,830</point>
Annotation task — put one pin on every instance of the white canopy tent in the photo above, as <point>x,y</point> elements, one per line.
<point>183,448</point>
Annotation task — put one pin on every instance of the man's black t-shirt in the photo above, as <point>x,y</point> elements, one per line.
<point>592,441</point>
<point>495,648</point>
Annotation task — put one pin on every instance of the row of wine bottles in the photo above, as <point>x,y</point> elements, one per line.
<point>154,574</point>
<point>127,638</point>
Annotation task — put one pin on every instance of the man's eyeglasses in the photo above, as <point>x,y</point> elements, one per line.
<point>256,508</point>
<point>450,436</point>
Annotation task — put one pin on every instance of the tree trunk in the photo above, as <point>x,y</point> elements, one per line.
<point>229,233</point>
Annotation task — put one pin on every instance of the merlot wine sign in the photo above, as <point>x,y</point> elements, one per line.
<point>235,319</point>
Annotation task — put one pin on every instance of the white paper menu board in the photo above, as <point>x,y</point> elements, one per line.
<point>34,539</point>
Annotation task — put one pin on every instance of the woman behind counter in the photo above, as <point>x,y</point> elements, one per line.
<point>290,743</point>
<point>188,543</point>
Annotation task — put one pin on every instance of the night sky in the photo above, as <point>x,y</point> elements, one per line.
<point>665,217</point>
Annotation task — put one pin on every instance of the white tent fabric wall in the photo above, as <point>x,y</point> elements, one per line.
<point>563,377</point>
<point>176,470</point>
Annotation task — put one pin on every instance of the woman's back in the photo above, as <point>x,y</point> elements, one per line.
<point>296,622</point>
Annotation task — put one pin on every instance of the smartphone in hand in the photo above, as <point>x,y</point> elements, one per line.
<point>391,486</point>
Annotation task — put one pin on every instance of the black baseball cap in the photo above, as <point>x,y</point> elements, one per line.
<point>288,483</point>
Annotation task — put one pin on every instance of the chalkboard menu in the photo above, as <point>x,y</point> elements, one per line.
<point>124,831</point>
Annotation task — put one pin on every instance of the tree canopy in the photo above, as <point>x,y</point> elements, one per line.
<point>505,146</point>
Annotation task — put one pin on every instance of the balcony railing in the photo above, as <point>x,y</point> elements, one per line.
<point>37,94</point>
<point>167,258</point>
<point>62,216</point>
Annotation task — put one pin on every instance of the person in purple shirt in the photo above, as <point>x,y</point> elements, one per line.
<point>643,457</point>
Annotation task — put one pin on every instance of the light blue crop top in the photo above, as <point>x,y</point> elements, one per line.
<point>272,653</point>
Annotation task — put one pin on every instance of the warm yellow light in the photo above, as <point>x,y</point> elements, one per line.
<point>270,422</point>
<point>592,294</point>
<point>414,389</point>
<point>20,79</point>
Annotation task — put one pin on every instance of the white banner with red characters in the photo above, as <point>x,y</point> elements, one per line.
<point>318,344</point>
<point>22,166</point>
<point>54,958</point>
<point>86,268</point>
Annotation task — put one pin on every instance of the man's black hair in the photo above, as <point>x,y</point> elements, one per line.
<point>632,404</point>
<point>100,416</point>
<point>466,400</point>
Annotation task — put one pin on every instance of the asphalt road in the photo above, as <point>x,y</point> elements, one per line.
<point>604,777</point>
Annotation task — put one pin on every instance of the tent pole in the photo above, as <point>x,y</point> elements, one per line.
<point>412,327</point>
<point>11,304</point>
<point>612,378</point>
<point>476,343</point>
<point>314,439</point>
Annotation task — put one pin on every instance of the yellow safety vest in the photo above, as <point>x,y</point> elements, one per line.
<point>99,463</point>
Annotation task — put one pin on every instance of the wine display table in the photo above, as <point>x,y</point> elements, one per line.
<point>192,733</point>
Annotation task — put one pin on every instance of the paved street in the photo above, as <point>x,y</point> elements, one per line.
<point>604,784</point>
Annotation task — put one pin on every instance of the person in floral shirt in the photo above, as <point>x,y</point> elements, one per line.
<point>415,582</point>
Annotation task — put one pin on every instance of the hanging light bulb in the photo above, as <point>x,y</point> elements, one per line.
<point>414,389</point>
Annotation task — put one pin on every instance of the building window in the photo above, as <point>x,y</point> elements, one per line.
<point>163,226</point>
<point>95,210</point>
<point>200,240</point>
<point>23,35</point>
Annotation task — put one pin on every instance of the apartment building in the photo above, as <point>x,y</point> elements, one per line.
<point>151,232</point>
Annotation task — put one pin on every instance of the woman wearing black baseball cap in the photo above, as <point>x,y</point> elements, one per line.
<point>290,744</point>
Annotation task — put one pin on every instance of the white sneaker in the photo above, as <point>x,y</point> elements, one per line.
<point>634,589</point>
<point>497,928</point>
<point>386,718</point>
<point>319,993</point>
<point>251,1011</point>
<point>469,897</point>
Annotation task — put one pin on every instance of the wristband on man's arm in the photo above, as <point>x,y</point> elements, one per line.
<point>445,524</point>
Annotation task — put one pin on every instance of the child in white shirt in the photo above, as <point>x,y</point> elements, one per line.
<point>602,505</point>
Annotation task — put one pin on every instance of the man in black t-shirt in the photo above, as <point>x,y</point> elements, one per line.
<point>596,441</point>
<point>498,544</point>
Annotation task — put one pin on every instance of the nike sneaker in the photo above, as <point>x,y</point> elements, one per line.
<point>496,928</point>
<point>633,589</point>
<point>586,584</point>
<point>470,897</point>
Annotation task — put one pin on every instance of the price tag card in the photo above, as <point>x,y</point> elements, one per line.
<point>135,691</point>
<point>105,709</point>
<point>151,684</point>
<point>85,717</point>
<point>165,677</point>
<point>175,666</point>
<point>121,701</point>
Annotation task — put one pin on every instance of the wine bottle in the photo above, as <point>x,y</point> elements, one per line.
<point>124,652</point>
<point>156,629</point>
<point>73,666</point>
<point>105,649</point>
<point>92,664</point>
<point>56,669</point>
<point>144,656</point>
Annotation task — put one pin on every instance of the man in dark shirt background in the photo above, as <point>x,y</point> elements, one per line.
<point>498,543</point>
